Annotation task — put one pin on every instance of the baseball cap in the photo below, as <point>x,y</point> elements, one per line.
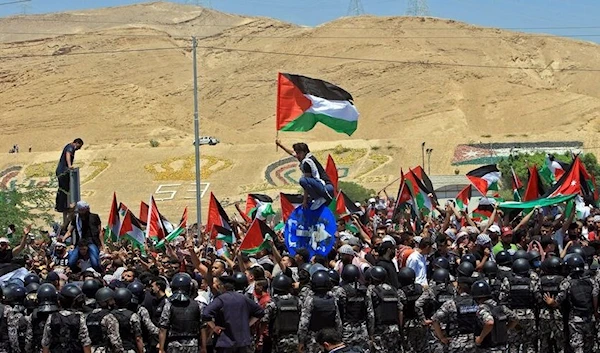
<point>372,200</point>
<point>483,239</point>
<point>4,240</point>
<point>346,250</point>
<point>507,231</point>
<point>494,229</point>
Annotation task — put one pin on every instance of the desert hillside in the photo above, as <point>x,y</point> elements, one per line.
<point>120,77</point>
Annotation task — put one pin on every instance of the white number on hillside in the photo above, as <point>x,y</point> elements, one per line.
<point>171,193</point>
<point>203,189</point>
<point>168,192</point>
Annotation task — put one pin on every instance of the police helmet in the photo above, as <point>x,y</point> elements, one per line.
<point>47,298</point>
<point>90,287</point>
<point>535,258</point>
<point>440,276</point>
<point>576,263</point>
<point>30,301</point>
<point>320,281</point>
<point>406,276</point>
<point>465,269</point>
<point>181,282</point>
<point>31,278</point>
<point>378,274</point>
<point>350,273</point>
<point>551,265</point>
<point>490,268</point>
<point>441,262</point>
<point>334,276</point>
<point>282,283</point>
<point>503,258</point>
<point>305,267</point>
<point>521,266</point>
<point>469,258</point>
<point>15,295</point>
<point>70,296</point>
<point>576,249</point>
<point>481,289</point>
<point>32,287</point>
<point>137,291</point>
<point>521,254</point>
<point>368,274</point>
<point>122,297</point>
<point>240,281</point>
<point>104,294</point>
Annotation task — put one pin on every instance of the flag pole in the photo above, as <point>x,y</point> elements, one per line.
<point>197,139</point>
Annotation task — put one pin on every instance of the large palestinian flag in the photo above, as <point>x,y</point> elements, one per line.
<point>217,217</point>
<point>289,202</point>
<point>419,193</point>
<point>485,178</point>
<point>259,205</point>
<point>131,228</point>
<point>256,238</point>
<point>302,102</point>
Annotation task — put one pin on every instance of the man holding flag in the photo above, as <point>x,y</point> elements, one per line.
<point>314,180</point>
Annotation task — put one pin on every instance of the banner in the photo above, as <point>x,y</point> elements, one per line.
<point>312,230</point>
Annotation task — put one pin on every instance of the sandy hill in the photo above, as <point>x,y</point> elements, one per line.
<point>90,74</point>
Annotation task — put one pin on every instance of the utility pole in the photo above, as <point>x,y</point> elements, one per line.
<point>197,135</point>
<point>429,151</point>
<point>423,155</point>
<point>356,8</point>
<point>417,8</point>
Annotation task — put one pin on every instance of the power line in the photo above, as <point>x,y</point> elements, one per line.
<point>401,62</point>
<point>14,2</point>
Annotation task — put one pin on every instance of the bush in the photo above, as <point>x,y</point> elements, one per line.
<point>154,143</point>
<point>355,192</point>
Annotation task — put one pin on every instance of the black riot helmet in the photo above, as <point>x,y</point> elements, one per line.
<point>137,290</point>
<point>521,254</point>
<point>32,287</point>
<point>104,294</point>
<point>441,262</point>
<point>521,266</point>
<point>305,267</point>
<point>90,287</point>
<point>181,286</point>
<point>31,278</point>
<point>551,265</point>
<point>122,297</point>
<point>465,269</point>
<point>490,269</point>
<point>575,263</point>
<point>535,258</point>
<point>406,276</point>
<point>441,276</point>
<point>282,284</point>
<point>15,295</point>
<point>350,273</point>
<point>320,281</point>
<point>240,281</point>
<point>70,296</point>
<point>503,258</point>
<point>47,298</point>
<point>481,289</point>
<point>378,274</point>
<point>334,276</point>
<point>469,258</point>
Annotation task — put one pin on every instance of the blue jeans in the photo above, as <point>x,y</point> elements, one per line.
<point>316,189</point>
<point>94,257</point>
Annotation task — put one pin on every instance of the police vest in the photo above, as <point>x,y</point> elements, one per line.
<point>185,319</point>
<point>466,315</point>
<point>3,325</point>
<point>355,307</point>
<point>157,312</point>
<point>385,305</point>
<point>413,292</point>
<point>94,325</point>
<point>146,336</point>
<point>64,337</point>
<point>22,331</point>
<point>550,284</point>
<point>580,297</point>
<point>521,296</point>
<point>287,318</point>
<point>499,334</point>
<point>502,274</point>
<point>323,313</point>
<point>495,285</point>
<point>125,329</point>
<point>38,321</point>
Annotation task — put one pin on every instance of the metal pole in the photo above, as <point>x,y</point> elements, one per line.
<point>423,155</point>
<point>197,140</point>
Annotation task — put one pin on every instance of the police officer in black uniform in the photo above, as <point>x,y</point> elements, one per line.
<point>103,326</point>
<point>65,331</point>
<point>490,271</point>
<point>282,314</point>
<point>180,322</point>
<point>384,308</point>
<point>353,308</point>
<point>130,328</point>
<point>149,330</point>
<point>551,326</point>
<point>89,289</point>
<point>47,303</point>
<point>504,261</point>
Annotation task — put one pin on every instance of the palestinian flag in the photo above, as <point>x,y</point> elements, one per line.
<point>131,228</point>
<point>332,173</point>
<point>553,170</point>
<point>224,234</point>
<point>154,225</point>
<point>542,202</point>
<point>419,192</point>
<point>216,217</point>
<point>404,196</point>
<point>485,178</point>
<point>177,231</point>
<point>484,209</point>
<point>256,239</point>
<point>463,198</point>
<point>143,212</point>
<point>302,102</point>
<point>420,173</point>
<point>259,205</point>
<point>345,206</point>
<point>111,232</point>
<point>517,185</point>
<point>535,188</point>
<point>289,202</point>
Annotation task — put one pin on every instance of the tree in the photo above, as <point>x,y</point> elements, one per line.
<point>24,204</point>
<point>355,192</point>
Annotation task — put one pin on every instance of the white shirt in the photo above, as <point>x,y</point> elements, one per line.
<point>418,263</point>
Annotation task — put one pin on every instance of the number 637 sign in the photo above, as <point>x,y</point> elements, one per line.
<point>166,192</point>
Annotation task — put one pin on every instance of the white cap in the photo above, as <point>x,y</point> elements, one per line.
<point>82,205</point>
<point>4,240</point>
<point>390,239</point>
<point>494,229</point>
<point>372,200</point>
<point>357,204</point>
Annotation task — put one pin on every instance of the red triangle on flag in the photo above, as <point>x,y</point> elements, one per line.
<point>154,226</point>
<point>291,101</point>
<point>332,173</point>
<point>144,211</point>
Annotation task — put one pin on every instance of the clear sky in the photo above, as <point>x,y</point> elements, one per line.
<point>541,16</point>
